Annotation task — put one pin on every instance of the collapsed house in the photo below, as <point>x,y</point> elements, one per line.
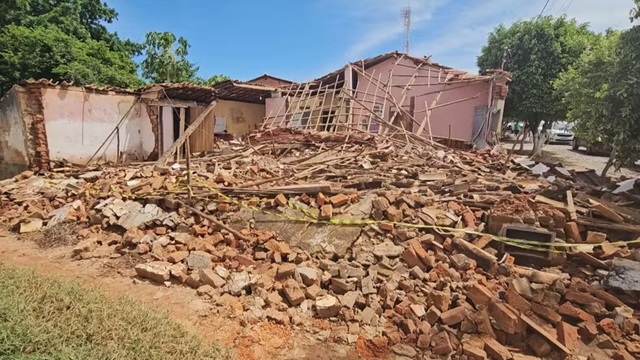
<point>425,252</point>
<point>43,122</point>
<point>394,93</point>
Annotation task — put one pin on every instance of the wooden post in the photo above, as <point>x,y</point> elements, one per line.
<point>189,190</point>
<point>180,132</point>
<point>185,135</point>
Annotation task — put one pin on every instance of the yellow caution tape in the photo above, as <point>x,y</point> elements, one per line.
<point>310,218</point>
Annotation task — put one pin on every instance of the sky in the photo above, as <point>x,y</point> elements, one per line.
<point>304,39</point>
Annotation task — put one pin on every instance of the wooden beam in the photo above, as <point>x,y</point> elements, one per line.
<point>185,135</point>
<point>571,206</point>
<point>183,115</point>
<point>255,87</point>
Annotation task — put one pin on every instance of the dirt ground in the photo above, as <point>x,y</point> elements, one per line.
<point>572,159</point>
<point>262,341</point>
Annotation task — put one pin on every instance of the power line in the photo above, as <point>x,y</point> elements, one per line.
<point>565,8</point>
<point>553,4</point>
<point>544,7</point>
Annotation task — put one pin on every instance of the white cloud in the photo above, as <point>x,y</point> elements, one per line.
<point>459,41</point>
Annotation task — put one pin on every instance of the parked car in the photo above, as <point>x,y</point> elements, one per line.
<point>561,132</point>
<point>597,147</point>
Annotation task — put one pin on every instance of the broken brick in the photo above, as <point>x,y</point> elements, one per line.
<point>473,352</point>
<point>339,200</point>
<point>394,214</point>
<point>453,316</point>
<point>495,350</point>
<point>506,319</point>
<point>441,344</point>
<point>281,200</point>
<point>567,309</point>
<point>546,313</point>
<point>479,295</point>
<point>321,199</point>
<point>433,314</point>
<point>610,327</point>
<point>568,336</point>
<point>582,298</point>
<point>292,292</point>
<point>326,211</point>
<point>594,237</point>
<point>573,232</point>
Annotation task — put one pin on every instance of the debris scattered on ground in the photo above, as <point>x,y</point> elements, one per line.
<point>415,249</point>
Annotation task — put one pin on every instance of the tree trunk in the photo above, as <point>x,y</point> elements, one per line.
<point>524,137</point>
<point>612,158</point>
<point>539,140</point>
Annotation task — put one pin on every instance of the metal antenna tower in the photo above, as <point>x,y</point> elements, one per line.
<point>406,17</point>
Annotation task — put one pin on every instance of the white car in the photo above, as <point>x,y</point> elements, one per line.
<point>561,132</point>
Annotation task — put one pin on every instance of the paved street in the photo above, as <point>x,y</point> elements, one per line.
<point>576,159</point>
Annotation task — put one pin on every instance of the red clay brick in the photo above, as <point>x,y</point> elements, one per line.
<point>453,316</point>
<point>479,295</point>
<point>568,335</point>
<point>339,200</point>
<point>506,319</point>
<point>573,232</point>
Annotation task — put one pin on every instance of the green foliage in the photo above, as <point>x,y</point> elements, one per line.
<point>212,80</point>
<point>584,89</point>
<point>536,52</point>
<point>166,58</point>
<point>63,40</point>
<point>44,318</point>
<point>635,12</point>
<point>602,93</point>
<point>625,97</point>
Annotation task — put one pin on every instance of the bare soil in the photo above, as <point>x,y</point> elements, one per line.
<point>262,341</point>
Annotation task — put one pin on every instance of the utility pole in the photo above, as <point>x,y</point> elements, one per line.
<point>406,17</point>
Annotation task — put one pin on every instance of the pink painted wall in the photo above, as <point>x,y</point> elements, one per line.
<point>426,87</point>
<point>78,122</point>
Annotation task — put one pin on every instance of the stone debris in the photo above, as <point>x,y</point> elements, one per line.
<point>419,291</point>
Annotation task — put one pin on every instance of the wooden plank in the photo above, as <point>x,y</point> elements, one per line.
<point>544,333</point>
<point>608,225</point>
<point>185,135</point>
<point>571,206</point>
<point>606,211</point>
<point>558,204</point>
<point>432,176</point>
<point>590,260</point>
<point>182,124</point>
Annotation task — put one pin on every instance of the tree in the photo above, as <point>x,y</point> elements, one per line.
<point>624,98</point>
<point>536,52</point>
<point>166,59</point>
<point>212,80</point>
<point>585,91</point>
<point>63,40</point>
<point>602,93</point>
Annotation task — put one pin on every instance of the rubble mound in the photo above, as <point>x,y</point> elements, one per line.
<point>401,249</point>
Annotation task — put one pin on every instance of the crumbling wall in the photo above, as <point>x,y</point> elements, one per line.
<point>33,115</point>
<point>78,122</point>
<point>153,111</point>
<point>454,108</point>
<point>13,148</point>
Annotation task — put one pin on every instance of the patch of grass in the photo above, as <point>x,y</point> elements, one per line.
<point>47,318</point>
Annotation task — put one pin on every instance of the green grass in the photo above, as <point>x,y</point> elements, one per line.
<point>47,318</point>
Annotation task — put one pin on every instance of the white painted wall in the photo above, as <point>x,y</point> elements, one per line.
<point>77,122</point>
<point>13,150</point>
<point>167,128</point>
